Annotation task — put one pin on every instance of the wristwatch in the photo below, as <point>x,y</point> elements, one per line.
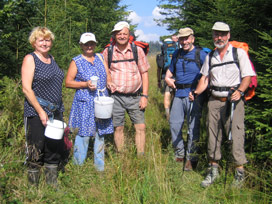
<point>143,95</point>
<point>241,92</point>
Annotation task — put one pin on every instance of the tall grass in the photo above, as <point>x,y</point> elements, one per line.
<point>153,178</point>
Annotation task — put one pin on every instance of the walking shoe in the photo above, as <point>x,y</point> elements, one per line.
<point>239,178</point>
<point>33,176</point>
<point>188,166</point>
<point>213,174</point>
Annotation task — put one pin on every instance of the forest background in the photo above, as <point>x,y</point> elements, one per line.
<point>250,21</point>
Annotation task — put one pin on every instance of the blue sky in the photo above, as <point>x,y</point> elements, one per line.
<point>143,13</point>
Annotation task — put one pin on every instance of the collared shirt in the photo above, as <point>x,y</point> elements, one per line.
<point>228,75</point>
<point>127,75</point>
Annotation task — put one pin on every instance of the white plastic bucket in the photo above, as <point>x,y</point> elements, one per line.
<point>55,129</point>
<point>103,107</point>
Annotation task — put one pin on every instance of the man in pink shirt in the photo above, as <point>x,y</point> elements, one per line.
<point>129,86</point>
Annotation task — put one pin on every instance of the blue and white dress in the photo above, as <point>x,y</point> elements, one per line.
<point>82,111</point>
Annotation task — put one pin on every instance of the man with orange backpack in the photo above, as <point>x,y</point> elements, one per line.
<point>228,83</point>
<point>129,85</point>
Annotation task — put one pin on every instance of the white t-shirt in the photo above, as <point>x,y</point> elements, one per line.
<point>228,75</point>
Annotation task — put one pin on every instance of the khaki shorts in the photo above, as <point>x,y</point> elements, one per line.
<point>129,104</point>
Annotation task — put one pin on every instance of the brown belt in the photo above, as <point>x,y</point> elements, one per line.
<point>222,99</point>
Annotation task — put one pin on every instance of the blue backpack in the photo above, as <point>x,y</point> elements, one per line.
<point>168,48</point>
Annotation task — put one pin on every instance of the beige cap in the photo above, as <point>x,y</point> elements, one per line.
<point>184,32</point>
<point>86,37</point>
<point>120,25</point>
<point>221,26</point>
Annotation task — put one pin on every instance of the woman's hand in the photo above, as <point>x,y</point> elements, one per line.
<point>43,117</point>
<point>91,86</point>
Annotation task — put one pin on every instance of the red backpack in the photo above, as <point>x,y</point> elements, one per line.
<point>134,44</point>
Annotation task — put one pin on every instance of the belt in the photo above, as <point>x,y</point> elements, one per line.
<point>51,106</point>
<point>225,88</point>
<point>222,99</point>
<point>137,93</point>
<point>183,86</point>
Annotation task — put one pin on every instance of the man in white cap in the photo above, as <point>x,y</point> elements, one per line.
<point>183,75</point>
<point>129,86</point>
<point>227,82</point>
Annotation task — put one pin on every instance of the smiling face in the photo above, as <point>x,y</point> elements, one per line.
<point>187,42</point>
<point>220,38</point>
<point>122,37</point>
<point>88,48</point>
<point>42,44</point>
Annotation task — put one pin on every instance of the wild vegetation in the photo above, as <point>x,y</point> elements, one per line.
<point>155,178</point>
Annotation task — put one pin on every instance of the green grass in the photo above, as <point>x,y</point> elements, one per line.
<point>154,178</point>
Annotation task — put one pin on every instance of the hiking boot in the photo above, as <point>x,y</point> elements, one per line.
<point>51,174</point>
<point>179,159</point>
<point>239,178</point>
<point>33,176</point>
<point>213,174</point>
<point>188,166</point>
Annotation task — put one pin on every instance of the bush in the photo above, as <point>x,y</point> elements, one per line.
<point>11,112</point>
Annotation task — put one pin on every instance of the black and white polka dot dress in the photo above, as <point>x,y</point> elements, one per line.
<point>47,84</point>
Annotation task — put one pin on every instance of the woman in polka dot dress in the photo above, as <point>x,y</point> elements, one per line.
<point>80,71</point>
<point>42,77</point>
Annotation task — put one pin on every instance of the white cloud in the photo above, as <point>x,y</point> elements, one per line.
<point>134,18</point>
<point>156,13</point>
<point>146,22</point>
<point>141,36</point>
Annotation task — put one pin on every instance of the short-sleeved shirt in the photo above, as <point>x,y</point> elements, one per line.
<point>127,75</point>
<point>187,72</point>
<point>47,84</point>
<point>228,75</point>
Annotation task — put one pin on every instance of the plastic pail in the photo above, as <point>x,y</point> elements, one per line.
<point>103,107</point>
<point>55,129</point>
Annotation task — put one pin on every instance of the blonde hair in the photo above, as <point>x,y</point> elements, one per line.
<point>40,32</point>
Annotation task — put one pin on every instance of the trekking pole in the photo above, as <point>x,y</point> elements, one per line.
<point>190,116</point>
<point>229,139</point>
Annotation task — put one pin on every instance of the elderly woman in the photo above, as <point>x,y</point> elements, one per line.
<point>42,86</point>
<point>81,69</point>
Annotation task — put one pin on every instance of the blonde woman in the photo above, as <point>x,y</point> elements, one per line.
<point>42,86</point>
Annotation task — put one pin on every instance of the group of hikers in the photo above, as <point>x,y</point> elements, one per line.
<point>125,78</point>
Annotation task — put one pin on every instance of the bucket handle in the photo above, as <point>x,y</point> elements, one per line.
<point>100,91</point>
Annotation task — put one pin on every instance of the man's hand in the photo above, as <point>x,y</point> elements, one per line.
<point>143,103</point>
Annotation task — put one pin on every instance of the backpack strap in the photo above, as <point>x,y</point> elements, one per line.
<point>134,51</point>
<point>110,52</point>
<point>235,59</point>
<point>197,57</point>
<point>175,63</point>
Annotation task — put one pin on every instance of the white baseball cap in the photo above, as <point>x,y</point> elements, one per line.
<point>221,26</point>
<point>120,25</point>
<point>86,37</point>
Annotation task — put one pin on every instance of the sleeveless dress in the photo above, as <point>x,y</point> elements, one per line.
<point>82,111</point>
<point>47,84</point>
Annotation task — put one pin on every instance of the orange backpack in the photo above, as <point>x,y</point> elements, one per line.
<point>250,92</point>
<point>253,84</point>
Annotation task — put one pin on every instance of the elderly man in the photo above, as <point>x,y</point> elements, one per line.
<point>185,71</point>
<point>129,86</point>
<point>228,82</point>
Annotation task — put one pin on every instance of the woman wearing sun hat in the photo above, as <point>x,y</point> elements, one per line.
<point>82,117</point>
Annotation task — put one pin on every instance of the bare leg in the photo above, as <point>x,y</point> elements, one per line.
<point>140,138</point>
<point>119,138</point>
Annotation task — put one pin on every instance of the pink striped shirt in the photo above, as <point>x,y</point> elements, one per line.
<point>127,75</point>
